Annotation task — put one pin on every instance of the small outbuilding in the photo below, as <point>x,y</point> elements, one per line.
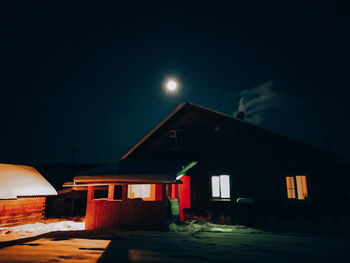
<point>23,192</point>
<point>133,194</point>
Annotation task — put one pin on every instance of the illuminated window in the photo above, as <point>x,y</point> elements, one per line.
<point>220,186</point>
<point>290,187</point>
<point>144,191</point>
<point>301,187</point>
<point>300,191</point>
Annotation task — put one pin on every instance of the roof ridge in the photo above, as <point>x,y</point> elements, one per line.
<point>184,104</point>
<point>260,128</point>
<point>177,109</point>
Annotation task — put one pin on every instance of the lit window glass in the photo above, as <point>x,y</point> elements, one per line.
<point>302,187</point>
<point>215,186</point>
<point>144,191</point>
<point>220,186</point>
<point>225,186</point>
<point>300,191</point>
<point>290,187</point>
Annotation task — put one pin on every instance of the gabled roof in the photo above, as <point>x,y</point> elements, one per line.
<point>186,106</point>
<point>179,108</point>
<point>20,180</point>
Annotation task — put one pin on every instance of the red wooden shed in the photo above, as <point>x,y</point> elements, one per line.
<point>132,194</point>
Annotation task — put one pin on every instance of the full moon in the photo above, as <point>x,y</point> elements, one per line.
<point>171,85</point>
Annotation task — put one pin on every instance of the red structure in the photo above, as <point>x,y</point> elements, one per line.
<point>185,194</point>
<point>125,213</point>
<point>134,194</point>
<point>182,192</point>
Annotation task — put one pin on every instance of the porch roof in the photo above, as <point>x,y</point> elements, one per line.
<point>137,172</point>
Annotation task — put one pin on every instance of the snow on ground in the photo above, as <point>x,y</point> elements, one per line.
<point>203,226</point>
<point>193,241</point>
<point>21,231</point>
<point>187,247</point>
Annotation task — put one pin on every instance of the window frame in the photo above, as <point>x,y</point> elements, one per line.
<point>115,192</point>
<point>152,196</point>
<point>219,198</point>
<point>99,188</point>
<point>296,187</point>
<point>175,139</point>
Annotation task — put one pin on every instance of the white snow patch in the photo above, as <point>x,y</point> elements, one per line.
<point>202,226</point>
<point>243,200</point>
<point>21,180</point>
<point>38,228</point>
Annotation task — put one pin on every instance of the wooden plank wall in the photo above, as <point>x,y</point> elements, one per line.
<point>126,214</point>
<point>20,211</point>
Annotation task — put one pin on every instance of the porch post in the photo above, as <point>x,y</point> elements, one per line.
<point>165,203</point>
<point>90,194</point>
<point>111,191</point>
<point>125,191</point>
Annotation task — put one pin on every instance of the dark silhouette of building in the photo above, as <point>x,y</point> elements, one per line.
<point>243,170</point>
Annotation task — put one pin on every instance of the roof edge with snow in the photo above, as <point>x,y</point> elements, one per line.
<point>23,181</point>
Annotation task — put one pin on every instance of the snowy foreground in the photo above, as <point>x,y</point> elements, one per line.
<point>190,242</point>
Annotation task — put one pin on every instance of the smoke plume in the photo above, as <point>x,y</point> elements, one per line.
<point>255,103</point>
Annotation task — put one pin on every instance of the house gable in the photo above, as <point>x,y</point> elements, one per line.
<point>193,132</point>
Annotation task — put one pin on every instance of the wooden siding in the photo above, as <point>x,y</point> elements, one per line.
<point>124,214</point>
<point>129,214</point>
<point>21,211</point>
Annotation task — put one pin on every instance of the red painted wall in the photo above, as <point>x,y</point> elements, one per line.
<point>125,214</point>
<point>185,194</point>
<point>173,191</point>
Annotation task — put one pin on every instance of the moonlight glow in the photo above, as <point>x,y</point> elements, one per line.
<point>171,85</point>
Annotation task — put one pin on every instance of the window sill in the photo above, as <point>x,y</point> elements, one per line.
<point>220,199</point>
<point>298,201</point>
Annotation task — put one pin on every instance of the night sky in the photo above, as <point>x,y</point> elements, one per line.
<point>90,76</point>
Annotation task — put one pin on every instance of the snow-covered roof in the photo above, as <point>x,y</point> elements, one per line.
<point>20,180</point>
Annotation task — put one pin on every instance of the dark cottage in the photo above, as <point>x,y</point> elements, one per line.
<point>23,191</point>
<point>243,170</point>
<point>201,162</point>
